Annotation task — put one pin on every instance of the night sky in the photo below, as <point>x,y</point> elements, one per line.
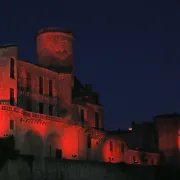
<point>129,50</point>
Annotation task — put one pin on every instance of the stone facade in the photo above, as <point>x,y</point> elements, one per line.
<point>46,112</point>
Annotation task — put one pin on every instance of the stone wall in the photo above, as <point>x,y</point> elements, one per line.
<point>53,169</point>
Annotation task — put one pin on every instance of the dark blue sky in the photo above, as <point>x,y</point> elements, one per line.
<point>129,50</point>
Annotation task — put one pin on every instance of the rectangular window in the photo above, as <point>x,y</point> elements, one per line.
<point>89,141</point>
<point>28,79</point>
<point>111,146</point>
<point>59,153</point>
<point>29,104</point>
<point>122,148</point>
<point>41,107</point>
<point>11,96</point>
<point>50,88</point>
<point>96,120</point>
<point>11,124</point>
<point>134,159</point>
<point>82,115</point>
<point>12,68</point>
<point>40,85</point>
<point>50,109</point>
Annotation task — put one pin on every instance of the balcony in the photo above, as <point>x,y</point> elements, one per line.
<point>34,115</point>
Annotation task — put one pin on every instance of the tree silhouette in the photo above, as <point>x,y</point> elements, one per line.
<point>7,150</point>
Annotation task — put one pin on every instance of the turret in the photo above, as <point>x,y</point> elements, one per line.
<point>55,49</point>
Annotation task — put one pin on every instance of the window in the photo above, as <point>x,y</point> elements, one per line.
<point>41,107</point>
<point>96,120</point>
<point>50,109</point>
<point>12,68</point>
<point>50,150</point>
<point>11,96</point>
<point>82,115</point>
<point>111,146</point>
<point>29,105</point>
<point>11,124</point>
<point>89,141</point>
<point>50,88</point>
<point>40,85</point>
<point>28,79</point>
<point>134,159</point>
<point>122,148</point>
<point>59,153</point>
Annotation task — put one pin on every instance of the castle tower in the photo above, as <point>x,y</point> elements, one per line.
<point>55,49</point>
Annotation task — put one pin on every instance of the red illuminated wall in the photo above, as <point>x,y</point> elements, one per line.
<point>135,157</point>
<point>41,134</point>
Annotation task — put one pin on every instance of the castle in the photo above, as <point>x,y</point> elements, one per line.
<point>50,113</point>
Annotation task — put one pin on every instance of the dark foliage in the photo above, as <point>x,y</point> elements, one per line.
<point>7,150</point>
<point>29,159</point>
<point>167,172</point>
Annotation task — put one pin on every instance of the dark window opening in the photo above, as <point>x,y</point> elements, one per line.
<point>111,146</point>
<point>29,105</point>
<point>40,85</point>
<point>11,96</point>
<point>122,148</point>
<point>12,124</point>
<point>50,88</point>
<point>89,141</point>
<point>28,78</point>
<point>59,153</point>
<point>134,159</point>
<point>50,150</point>
<point>82,115</point>
<point>41,107</point>
<point>50,109</point>
<point>96,120</point>
<point>12,68</point>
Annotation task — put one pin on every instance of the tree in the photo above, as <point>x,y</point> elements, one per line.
<point>7,150</point>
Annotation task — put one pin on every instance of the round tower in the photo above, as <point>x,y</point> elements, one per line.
<point>55,49</point>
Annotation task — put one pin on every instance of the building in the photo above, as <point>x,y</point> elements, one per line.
<point>50,113</point>
<point>168,135</point>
